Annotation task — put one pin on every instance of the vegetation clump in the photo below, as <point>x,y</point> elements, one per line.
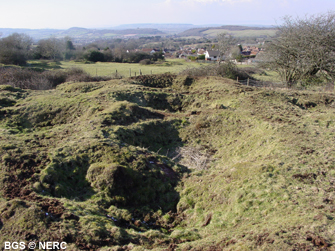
<point>226,70</point>
<point>303,52</point>
<point>35,79</point>
<point>191,163</point>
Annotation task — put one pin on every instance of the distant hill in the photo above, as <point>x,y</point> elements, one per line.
<point>236,30</point>
<point>34,33</point>
<point>79,34</point>
<point>167,28</point>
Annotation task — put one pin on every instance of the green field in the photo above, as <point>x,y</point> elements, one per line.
<point>109,68</point>
<point>124,69</point>
<point>242,33</point>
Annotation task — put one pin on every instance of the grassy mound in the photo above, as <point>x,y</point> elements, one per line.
<point>185,164</point>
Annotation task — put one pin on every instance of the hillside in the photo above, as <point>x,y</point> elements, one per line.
<point>167,162</point>
<point>81,34</point>
<point>235,30</point>
<point>172,28</point>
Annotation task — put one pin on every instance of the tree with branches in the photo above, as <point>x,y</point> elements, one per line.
<point>226,43</point>
<point>51,48</point>
<point>304,49</point>
<point>15,49</point>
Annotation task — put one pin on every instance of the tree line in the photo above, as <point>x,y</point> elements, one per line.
<point>17,48</point>
<point>302,51</point>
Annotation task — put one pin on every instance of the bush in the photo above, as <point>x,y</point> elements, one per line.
<point>15,49</point>
<point>145,62</point>
<point>95,56</point>
<point>136,57</point>
<point>226,69</point>
<point>192,58</point>
<point>43,80</point>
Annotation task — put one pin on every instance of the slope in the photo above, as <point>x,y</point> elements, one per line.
<point>168,162</point>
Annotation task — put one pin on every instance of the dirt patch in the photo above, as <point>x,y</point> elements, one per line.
<point>317,241</point>
<point>263,238</point>
<point>16,180</point>
<point>16,185</point>
<point>307,150</point>
<point>207,220</point>
<point>168,171</point>
<point>172,247</point>
<point>307,177</point>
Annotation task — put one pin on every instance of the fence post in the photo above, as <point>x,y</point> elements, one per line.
<point>140,72</point>
<point>248,82</point>
<point>237,79</point>
<point>116,73</point>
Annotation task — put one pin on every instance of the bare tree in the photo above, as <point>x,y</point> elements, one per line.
<point>51,48</point>
<point>304,48</point>
<point>15,48</point>
<point>225,44</point>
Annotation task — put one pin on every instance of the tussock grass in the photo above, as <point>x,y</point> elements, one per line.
<point>89,163</point>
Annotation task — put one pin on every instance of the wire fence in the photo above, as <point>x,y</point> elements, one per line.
<point>258,83</point>
<point>329,87</point>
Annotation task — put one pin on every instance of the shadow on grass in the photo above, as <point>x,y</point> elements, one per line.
<point>44,65</point>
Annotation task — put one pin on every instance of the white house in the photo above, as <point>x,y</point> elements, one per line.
<point>212,55</point>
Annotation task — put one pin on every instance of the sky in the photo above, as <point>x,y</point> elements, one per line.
<point>64,14</point>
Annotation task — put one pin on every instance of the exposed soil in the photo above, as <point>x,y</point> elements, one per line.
<point>317,241</point>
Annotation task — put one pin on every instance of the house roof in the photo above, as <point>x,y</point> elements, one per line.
<point>213,53</point>
<point>146,50</point>
<point>200,52</point>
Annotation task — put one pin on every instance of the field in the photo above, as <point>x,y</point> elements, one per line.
<point>173,66</point>
<point>123,69</point>
<point>241,33</point>
<point>237,31</point>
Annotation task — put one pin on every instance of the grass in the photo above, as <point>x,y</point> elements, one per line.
<point>99,158</point>
<point>243,33</point>
<point>110,68</point>
<point>270,76</point>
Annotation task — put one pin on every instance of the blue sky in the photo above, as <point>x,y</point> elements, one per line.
<point>62,14</point>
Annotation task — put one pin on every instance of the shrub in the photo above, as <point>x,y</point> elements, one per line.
<point>136,57</point>
<point>192,58</point>
<point>14,49</point>
<point>37,80</point>
<point>145,62</point>
<point>227,70</point>
<point>95,56</point>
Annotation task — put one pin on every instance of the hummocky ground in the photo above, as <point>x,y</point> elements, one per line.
<point>168,162</point>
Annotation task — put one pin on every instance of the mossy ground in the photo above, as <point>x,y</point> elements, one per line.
<point>90,164</point>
